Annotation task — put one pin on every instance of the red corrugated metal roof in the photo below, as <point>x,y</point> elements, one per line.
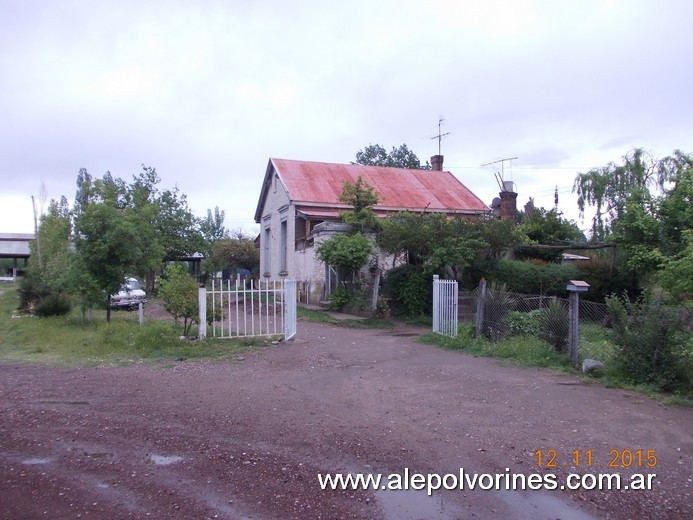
<point>397,188</point>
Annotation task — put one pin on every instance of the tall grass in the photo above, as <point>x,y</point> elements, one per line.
<point>70,340</point>
<point>532,351</point>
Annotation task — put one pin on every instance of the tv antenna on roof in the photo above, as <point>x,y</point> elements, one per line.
<point>440,135</point>
<point>500,175</point>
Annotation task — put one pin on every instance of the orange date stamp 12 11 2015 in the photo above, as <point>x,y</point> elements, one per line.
<point>626,458</point>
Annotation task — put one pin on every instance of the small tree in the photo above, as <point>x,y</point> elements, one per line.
<point>179,292</point>
<point>347,253</point>
<point>361,197</point>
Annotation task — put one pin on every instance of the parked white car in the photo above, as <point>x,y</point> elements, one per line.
<point>129,296</point>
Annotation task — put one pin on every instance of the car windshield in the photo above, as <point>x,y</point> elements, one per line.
<point>132,285</point>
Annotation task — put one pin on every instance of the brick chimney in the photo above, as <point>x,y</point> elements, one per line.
<point>508,201</point>
<point>437,163</point>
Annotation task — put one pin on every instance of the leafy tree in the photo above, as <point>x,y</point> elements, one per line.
<point>402,157</point>
<point>676,275</point>
<point>442,244</point>
<point>608,188</point>
<point>109,245</point>
<point>547,228</point>
<point>48,278</point>
<point>347,253</point>
<point>675,210</point>
<point>408,234</point>
<point>212,227</point>
<point>459,243</point>
<point>237,251</point>
<point>176,226</point>
<point>55,231</point>
<point>179,292</point>
<point>644,207</point>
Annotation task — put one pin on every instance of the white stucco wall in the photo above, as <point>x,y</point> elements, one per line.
<point>301,265</point>
<point>276,208</point>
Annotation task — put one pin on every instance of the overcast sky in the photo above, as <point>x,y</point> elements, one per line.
<point>206,92</point>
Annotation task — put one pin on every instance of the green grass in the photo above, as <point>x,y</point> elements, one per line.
<point>531,351</point>
<point>69,340</point>
<point>325,317</point>
<point>516,350</point>
<point>420,321</point>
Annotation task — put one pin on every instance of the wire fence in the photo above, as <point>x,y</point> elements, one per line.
<point>498,313</point>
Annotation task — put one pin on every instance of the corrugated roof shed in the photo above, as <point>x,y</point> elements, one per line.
<point>318,183</point>
<point>15,245</point>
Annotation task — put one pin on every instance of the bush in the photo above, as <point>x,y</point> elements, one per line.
<point>554,326</point>
<point>360,291</point>
<point>410,290</point>
<point>178,290</point>
<point>498,303</point>
<point>54,304</point>
<point>523,323</point>
<point>533,277</point>
<point>338,299</point>
<point>605,281</point>
<point>652,342</point>
<point>31,291</point>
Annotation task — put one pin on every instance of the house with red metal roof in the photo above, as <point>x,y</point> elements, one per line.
<point>299,208</point>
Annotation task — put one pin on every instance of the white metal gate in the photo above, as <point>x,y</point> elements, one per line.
<point>289,309</point>
<point>262,308</point>
<point>444,307</point>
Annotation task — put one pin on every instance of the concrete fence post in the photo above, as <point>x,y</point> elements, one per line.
<point>573,330</point>
<point>574,287</point>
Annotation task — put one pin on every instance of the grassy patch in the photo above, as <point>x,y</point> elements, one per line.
<point>517,350</point>
<point>534,352</point>
<point>69,340</point>
<point>325,317</point>
<point>420,321</point>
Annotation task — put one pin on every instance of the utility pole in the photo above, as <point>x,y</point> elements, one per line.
<point>36,233</point>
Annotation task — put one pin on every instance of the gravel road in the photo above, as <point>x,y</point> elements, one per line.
<point>246,438</point>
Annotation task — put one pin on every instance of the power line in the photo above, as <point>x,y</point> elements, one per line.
<point>531,168</point>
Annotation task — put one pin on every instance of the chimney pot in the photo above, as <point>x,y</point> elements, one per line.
<point>437,163</point>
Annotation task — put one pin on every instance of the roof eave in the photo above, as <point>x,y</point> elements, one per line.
<point>267,181</point>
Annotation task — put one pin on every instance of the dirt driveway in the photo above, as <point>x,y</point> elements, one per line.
<point>246,439</point>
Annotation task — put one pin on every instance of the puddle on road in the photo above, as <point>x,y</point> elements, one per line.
<point>416,504</point>
<point>534,504</point>
<point>412,505</point>
<point>163,460</point>
<point>56,401</point>
<point>35,461</point>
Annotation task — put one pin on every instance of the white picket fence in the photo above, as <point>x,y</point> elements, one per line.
<point>444,307</point>
<point>262,308</point>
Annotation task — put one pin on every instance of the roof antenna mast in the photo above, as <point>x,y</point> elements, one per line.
<point>500,176</point>
<point>440,135</point>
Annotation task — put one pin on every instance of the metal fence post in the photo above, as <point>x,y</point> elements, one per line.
<point>202,300</point>
<point>481,297</point>
<point>436,302</point>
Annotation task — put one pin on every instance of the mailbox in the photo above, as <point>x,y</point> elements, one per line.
<point>577,286</point>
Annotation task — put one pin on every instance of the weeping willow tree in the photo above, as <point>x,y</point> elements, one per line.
<point>609,188</point>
